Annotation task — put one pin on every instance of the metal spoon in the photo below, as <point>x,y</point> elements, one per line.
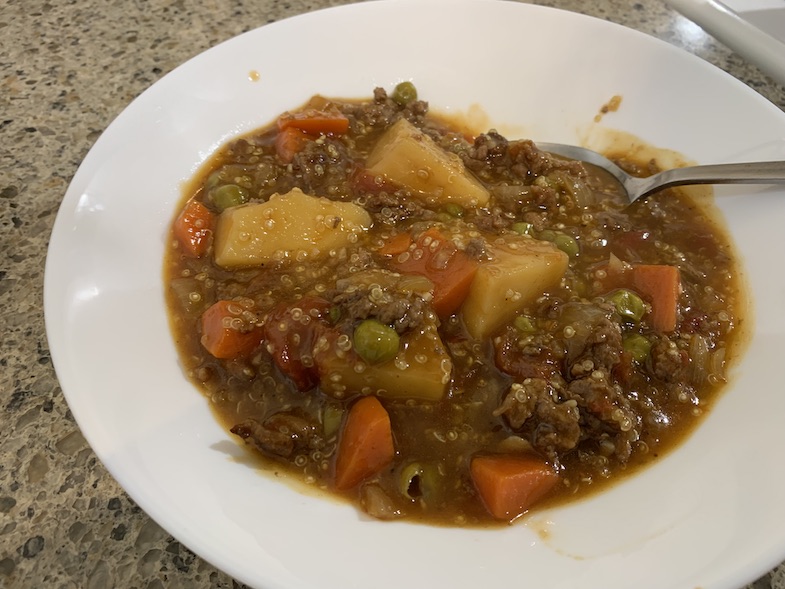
<point>743,173</point>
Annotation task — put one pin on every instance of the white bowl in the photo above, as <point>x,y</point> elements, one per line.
<point>709,515</point>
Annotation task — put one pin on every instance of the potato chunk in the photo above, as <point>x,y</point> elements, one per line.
<point>421,370</point>
<point>516,275</point>
<point>292,225</point>
<point>407,156</point>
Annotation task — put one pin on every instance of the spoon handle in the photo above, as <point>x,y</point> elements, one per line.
<point>743,173</point>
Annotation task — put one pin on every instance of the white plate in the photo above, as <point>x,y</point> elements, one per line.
<point>710,515</point>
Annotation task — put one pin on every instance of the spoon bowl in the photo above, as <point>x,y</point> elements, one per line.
<point>772,172</point>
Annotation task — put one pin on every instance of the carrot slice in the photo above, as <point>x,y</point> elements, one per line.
<point>658,284</point>
<point>450,269</point>
<point>225,334</point>
<point>289,142</point>
<point>193,228</point>
<point>661,286</point>
<point>366,444</point>
<point>509,485</point>
<point>397,245</point>
<point>315,122</point>
<point>296,129</point>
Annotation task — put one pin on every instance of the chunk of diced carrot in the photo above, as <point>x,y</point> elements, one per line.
<point>366,443</point>
<point>396,245</point>
<point>450,269</point>
<point>289,142</point>
<point>315,122</point>
<point>510,484</point>
<point>660,285</point>
<point>194,228</point>
<point>225,334</point>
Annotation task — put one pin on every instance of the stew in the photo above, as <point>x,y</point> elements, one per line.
<point>439,326</point>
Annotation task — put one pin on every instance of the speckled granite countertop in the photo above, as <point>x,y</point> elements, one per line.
<point>66,70</point>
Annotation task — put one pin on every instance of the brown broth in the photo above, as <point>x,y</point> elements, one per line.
<point>677,227</point>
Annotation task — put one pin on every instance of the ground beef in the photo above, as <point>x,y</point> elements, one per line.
<point>601,397</point>
<point>521,399</point>
<point>528,356</point>
<point>248,150</point>
<point>400,310</point>
<point>393,207</point>
<point>491,219</point>
<point>593,338</point>
<point>522,200</point>
<point>321,167</point>
<point>494,156</point>
<point>590,411</point>
<point>537,220</point>
<point>281,434</point>
<point>491,156</point>
<point>491,150</point>
<point>606,410</point>
<point>533,408</point>
<point>558,428</point>
<point>383,112</point>
<point>590,406</point>
<point>602,349</point>
<point>669,363</point>
<point>475,248</point>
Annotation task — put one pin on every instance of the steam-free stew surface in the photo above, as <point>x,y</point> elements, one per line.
<point>442,327</point>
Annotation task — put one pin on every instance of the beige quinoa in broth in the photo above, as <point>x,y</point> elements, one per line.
<point>441,327</point>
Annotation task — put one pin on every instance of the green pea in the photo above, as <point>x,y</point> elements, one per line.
<point>454,210</point>
<point>547,235</point>
<point>375,342</point>
<point>214,179</point>
<point>524,324</point>
<point>410,479</point>
<point>331,420</point>
<point>629,305</point>
<point>567,244</point>
<point>228,195</point>
<point>444,217</point>
<point>404,93</point>
<point>419,481</point>
<point>523,228</point>
<point>637,346</point>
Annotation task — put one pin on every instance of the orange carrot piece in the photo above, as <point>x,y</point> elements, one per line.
<point>453,285</point>
<point>224,341</point>
<point>661,286</point>
<point>510,484</point>
<point>658,284</point>
<point>397,245</point>
<point>366,444</point>
<point>296,129</point>
<point>315,122</point>
<point>193,228</point>
<point>289,142</point>
<point>450,269</point>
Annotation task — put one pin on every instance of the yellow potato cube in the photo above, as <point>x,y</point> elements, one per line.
<point>407,156</point>
<point>422,369</point>
<point>288,226</point>
<point>516,275</point>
